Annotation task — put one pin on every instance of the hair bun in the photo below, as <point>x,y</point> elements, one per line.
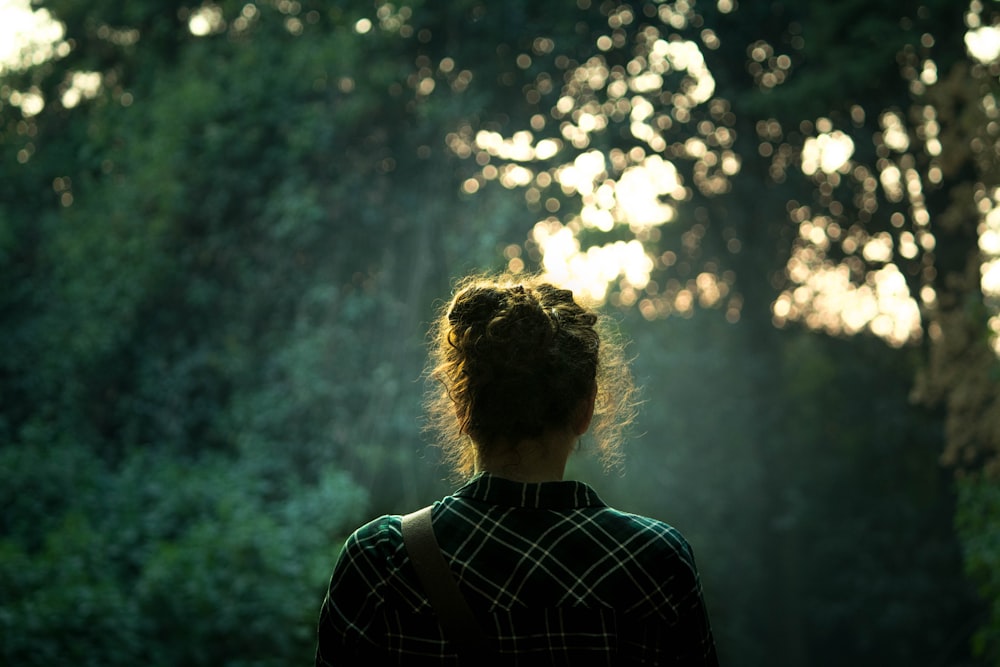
<point>476,305</point>
<point>497,323</point>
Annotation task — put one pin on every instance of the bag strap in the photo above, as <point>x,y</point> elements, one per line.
<point>454,614</point>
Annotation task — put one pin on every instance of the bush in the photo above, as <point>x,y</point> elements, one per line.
<point>169,561</point>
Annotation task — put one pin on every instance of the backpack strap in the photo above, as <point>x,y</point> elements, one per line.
<point>454,614</point>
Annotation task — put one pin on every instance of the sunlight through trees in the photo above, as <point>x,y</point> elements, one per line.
<point>224,226</point>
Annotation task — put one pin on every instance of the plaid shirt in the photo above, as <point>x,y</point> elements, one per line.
<point>553,575</point>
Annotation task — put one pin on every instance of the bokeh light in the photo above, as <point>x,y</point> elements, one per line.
<point>28,36</point>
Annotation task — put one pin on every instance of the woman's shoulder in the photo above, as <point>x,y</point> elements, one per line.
<point>379,536</point>
<point>656,535</point>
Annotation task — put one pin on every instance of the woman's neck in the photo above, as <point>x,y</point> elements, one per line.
<point>531,460</point>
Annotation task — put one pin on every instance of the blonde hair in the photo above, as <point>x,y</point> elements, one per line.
<point>513,357</point>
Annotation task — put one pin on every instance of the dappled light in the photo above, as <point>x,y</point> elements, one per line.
<point>866,290</point>
<point>83,85</point>
<point>842,278</point>
<point>664,97</point>
<point>828,299</point>
<point>638,194</point>
<point>989,245</point>
<point>206,20</point>
<point>665,86</point>
<point>829,152</point>
<point>29,101</point>
<point>28,36</point>
<point>768,69</point>
<point>589,272</point>
<point>226,226</point>
<point>983,43</point>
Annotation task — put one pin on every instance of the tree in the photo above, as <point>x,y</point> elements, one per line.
<point>861,136</point>
<point>223,226</point>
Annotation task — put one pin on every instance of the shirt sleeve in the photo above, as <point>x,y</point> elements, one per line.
<point>681,633</point>
<point>692,643</point>
<point>694,633</point>
<point>350,620</point>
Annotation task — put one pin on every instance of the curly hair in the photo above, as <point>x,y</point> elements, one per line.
<point>513,357</point>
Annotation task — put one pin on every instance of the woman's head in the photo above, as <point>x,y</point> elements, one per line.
<point>515,358</point>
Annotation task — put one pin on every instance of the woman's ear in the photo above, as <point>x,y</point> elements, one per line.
<point>585,413</point>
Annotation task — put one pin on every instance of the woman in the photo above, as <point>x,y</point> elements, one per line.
<point>551,574</point>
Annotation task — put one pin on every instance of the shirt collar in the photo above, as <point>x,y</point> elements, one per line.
<point>561,495</point>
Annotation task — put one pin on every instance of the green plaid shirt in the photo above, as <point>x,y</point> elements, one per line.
<point>553,574</point>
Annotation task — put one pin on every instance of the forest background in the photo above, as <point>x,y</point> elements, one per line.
<point>225,227</point>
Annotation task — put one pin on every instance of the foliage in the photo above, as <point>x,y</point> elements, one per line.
<point>166,560</point>
<point>978,524</point>
<point>750,226</point>
<point>219,266</point>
